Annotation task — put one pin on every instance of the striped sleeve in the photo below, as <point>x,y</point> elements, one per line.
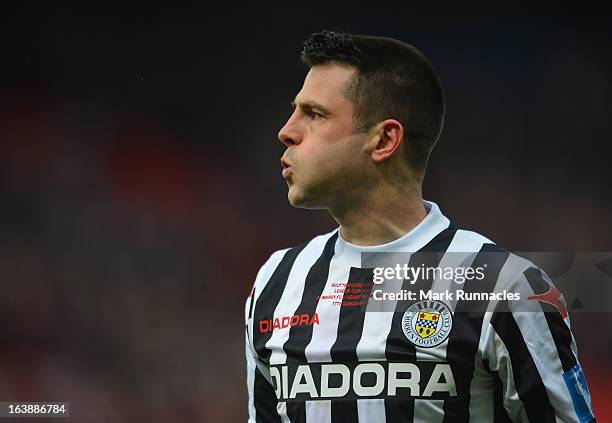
<point>262,401</point>
<point>529,347</point>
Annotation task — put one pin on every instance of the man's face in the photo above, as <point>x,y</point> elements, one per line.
<point>325,158</point>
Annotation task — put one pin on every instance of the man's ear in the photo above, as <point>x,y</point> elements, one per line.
<point>390,134</point>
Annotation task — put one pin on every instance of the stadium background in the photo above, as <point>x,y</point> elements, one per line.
<point>140,187</point>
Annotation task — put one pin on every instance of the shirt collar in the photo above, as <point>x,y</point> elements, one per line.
<point>434,223</point>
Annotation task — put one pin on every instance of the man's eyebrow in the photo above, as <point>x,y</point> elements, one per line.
<point>310,104</point>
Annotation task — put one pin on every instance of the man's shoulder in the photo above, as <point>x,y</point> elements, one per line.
<point>290,253</point>
<point>515,270</point>
<point>470,240</point>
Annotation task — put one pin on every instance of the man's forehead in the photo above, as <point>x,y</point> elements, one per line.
<point>325,87</point>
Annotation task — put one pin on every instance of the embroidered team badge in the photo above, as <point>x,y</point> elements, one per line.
<point>427,323</point>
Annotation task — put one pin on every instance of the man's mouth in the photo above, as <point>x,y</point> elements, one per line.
<point>286,168</point>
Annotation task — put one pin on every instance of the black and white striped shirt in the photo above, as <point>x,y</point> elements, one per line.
<point>311,358</point>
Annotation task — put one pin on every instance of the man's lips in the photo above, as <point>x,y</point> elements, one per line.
<point>286,167</point>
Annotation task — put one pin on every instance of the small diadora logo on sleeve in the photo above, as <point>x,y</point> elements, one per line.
<point>552,297</point>
<point>287,321</point>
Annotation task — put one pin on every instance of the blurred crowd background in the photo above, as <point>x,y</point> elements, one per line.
<point>140,184</point>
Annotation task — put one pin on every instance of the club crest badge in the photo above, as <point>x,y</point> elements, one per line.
<point>427,323</point>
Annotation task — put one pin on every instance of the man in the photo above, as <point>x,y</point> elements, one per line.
<point>320,346</point>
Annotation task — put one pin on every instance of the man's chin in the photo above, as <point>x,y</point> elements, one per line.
<point>296,201</point>
<point>300,200</point>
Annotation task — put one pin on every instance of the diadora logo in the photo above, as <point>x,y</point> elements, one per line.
<point>552,297</point>
<point>287,321</point>
<point>417,379</point>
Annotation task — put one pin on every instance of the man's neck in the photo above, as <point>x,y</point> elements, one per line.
<point>380,217</point>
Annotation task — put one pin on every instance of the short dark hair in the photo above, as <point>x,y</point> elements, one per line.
<point>393,80</point>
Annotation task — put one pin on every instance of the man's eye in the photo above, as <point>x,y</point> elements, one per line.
<point>313,115</point>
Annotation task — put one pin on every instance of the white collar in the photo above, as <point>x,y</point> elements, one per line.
<point>434,223</point>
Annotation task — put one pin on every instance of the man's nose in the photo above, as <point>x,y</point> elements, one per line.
<point>289,134</point>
